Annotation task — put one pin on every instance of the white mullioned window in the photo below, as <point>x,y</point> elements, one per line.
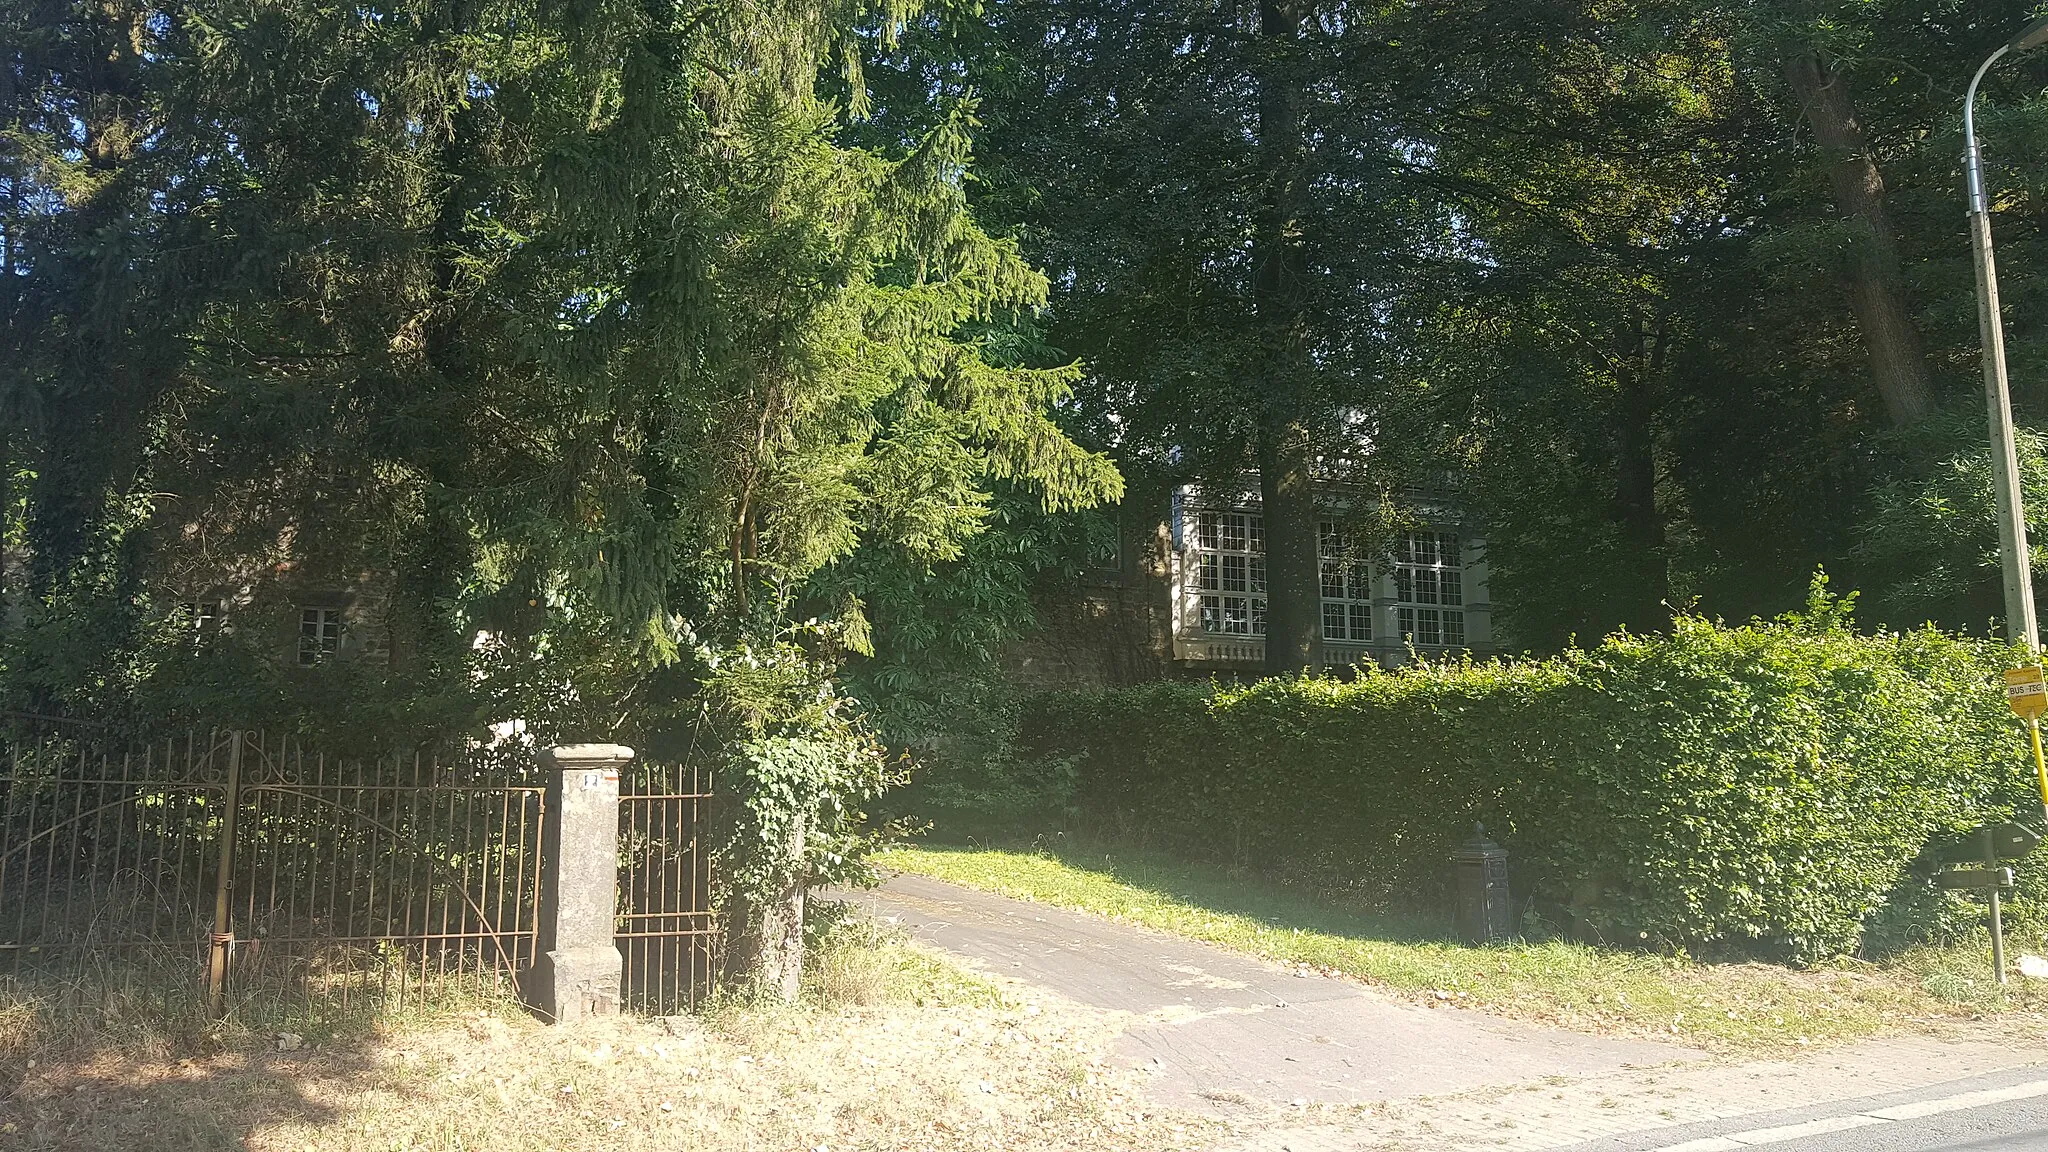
<point>1429,583</point>
<point>1229,570</point>
<point>319,634</point>
<point>1347,588</point>
<point>201,617</point>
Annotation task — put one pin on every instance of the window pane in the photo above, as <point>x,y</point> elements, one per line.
<point>1236,616</point>
<point>1454,627</point>
<point>1205,530</point>
<point>1447,549</point>
<point>1358,582</point>
<point>1333,621</point>
<point>1234,579</point>
<point>1233,533</point>
<point>1361,621</point>
<point>1428,626</point>
<point>319,634</point>
<point>1407,621</point>
<point>202,615</point>
<point>1404,583</point>
<point>1425,586</point>
<point>1258,616</point>
<point>1208,575</point>
<point>1333,580</point>
<point>1258,529</point>
<point>1258,574</point>
<point>1453,585</point>
<point>1326,539</point>
<point>1212,613</point>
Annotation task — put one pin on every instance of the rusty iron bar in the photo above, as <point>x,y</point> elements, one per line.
<point>666,932</point>
<point>223,887</point>
<point>329,873</point>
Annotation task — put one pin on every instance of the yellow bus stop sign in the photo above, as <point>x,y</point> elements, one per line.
<point>2026,691</point>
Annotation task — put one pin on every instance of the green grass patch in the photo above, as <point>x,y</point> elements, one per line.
<point>1721,1006</point>
<point>859,963</point>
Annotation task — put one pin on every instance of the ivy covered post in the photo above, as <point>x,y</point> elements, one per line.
<point>798,764</point>
<point>768,929</point>
<point>577,967</point>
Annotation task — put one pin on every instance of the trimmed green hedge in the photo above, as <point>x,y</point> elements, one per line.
<point>1760,790</point>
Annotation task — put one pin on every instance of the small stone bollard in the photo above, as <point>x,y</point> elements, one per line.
<point>577,967</point>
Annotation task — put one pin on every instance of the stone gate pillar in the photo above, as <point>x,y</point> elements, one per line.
<point>577,967</point>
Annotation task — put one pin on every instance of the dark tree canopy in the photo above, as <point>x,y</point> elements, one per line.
<point>1679,291</point>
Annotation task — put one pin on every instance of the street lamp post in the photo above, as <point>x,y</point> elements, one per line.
<point>2012,525</point>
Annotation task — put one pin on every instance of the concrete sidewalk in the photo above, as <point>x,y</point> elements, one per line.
<point>1220,1032</point>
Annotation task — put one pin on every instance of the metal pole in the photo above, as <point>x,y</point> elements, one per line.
<point>1997,938</point>
<point>2040,766</point>
<point>2012,524</point>
<point>1991,866</point>
<point>223,887</point>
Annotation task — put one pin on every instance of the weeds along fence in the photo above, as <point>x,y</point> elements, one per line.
<point>279,882</point>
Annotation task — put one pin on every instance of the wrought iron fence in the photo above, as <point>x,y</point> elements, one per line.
<point>666,933</point>
<point>108,852</point>
<point>284,882</point>
<point>388,877</point>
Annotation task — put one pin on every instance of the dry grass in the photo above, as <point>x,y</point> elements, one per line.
<point>894,1049</point>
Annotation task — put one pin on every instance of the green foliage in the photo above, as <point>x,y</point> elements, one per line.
<point>795,765</point>
<point>1765,789</point>
<point>1589,256</point>
<point>586,333</point>
<point>580,322</point>
<point>1930,540</point>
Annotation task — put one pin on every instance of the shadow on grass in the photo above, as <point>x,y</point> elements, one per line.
<point>102,1056</point>
<point>111,1099</point>
<point>1276,902</point>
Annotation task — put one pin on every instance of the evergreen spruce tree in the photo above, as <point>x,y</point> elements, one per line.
<point>577,316</point>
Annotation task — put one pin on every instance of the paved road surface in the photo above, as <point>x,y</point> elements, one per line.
<point>2004,1112</point>
<point>1219,1029</point>
<point>1223,1033</point>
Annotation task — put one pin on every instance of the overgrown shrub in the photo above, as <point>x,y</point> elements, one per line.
<point>1765,790</point>
<point>796,764</point>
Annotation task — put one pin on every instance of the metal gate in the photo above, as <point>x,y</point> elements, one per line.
<point>666,933</point>
<point>284,882</point>
<point>390,877</point>
<point>287,881</point>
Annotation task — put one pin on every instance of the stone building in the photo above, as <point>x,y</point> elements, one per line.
<point>1186,595</point>
<point>300,601</point>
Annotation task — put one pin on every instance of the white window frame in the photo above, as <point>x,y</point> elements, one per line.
<point>1346,587</point>
<point>320,631</point>
<point>201,617</point>
<point>1226,573</point>
<point>1429,589</point>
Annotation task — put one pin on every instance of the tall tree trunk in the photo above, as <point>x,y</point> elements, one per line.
<point>1642,523</point>
<point>1876,287</point>
<point>1279,269</point>
<point>1294,593</point>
